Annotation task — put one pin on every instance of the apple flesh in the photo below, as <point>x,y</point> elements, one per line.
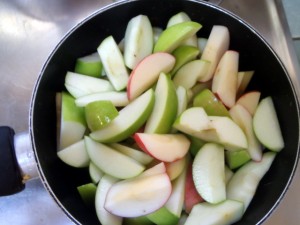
<point>244,78</point>
<point>174,169</point>
<point>237,158</point>
<point>164,147</point>
<point>266,125</point>
<point>224,83</point>
<point>95,173</point>
<point>249,101</point>
<point>89,65</point>
<point>129,120</point>
<point>209,173</point>
<point>146,73</point>
<point>138,41</point>
<point>113,63</point>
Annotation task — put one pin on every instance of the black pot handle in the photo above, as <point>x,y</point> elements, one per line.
<point>11,180</point>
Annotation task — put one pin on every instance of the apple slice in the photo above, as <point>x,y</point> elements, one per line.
<point>137,155</point>
<point>188,75</point>
<point>165,107</point>
<point>174,35</point>
<point>138,41</point>
<point>138,196</point>
<point>244,78</point>
<point>75,155</point>
<point>228,174</point>
<point>113,63</point>
<point>266,125</point>
<point>217,44</point>
<point>141,220</point>
<point>146,73</point>
<point>118,98</point>
<point>183,54</point>
<point>196,144</point>
<point>164,147</point>
<point>95,173</point>
<point>210,103</point>
<point>202,41</point>
<point>237,158</point>
<point>89,65</point>
<point>129,120</point>
<point>249,101</point>
<point>87,193</point>
<point>243,184</point>
<point>174,169</point>
<point>103,215</point>
<point>111,161</point>
<point>244,119</point>
<point>71,125</point>
<point>191,196</point>
<point>80,85</point>
<point>181,99</point>
<point>209,173</point>
<point>226,212</point>
<point>224,83</point>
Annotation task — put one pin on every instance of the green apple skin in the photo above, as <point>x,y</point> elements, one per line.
<point>129,120</point>
<point>141,220</point>
<point>173,36</point>
<point>88,193</point>
<point>163,217</point>
<point>165,107</point>
<point>235,159</point>
<point>70,112</point>
<point>196,144</point>
<point>183,54</point>
<point>210,103</point>
<point>89,65</point>
<point>100,113</point>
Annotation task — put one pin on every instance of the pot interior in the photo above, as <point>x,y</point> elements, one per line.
<point>270,78</point>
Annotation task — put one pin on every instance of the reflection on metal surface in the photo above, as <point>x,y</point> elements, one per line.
<point>30,29</point>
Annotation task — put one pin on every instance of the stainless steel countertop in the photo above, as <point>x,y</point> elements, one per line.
<point>30,29</point>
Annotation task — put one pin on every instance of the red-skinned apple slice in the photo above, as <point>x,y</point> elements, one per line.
<point>224,83</point>
<point>164,147</point>
<point>147,72</point>
<point>250,101</point>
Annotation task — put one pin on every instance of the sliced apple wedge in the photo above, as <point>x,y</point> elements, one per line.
<point>146,73</point>
<point>174,169</point>
<point>164,147</point>
<point>249,101</point>
<point>217,44</point>
<point>95,173</point>
<point>243,184</point>
<point>188,75</point>
<point>165,107</point>
<point>138,196</point>
<point>113,63</point>
<point>224,83</point>
<point>224,213</point>
<point>266,125</point>
<point>129,120</point>
<point>209,173</point>
<point>244,78</point>
<point>103,215</point>
<point>243,118</point>
<point>90,65</point>
<point>236,159</point>
<point>138,41</point>
<point>111,161</point>
<point>173,36</point>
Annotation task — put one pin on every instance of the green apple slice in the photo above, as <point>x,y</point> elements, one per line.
<point>237,158</point>
<point>113,63</point>
<point>266,125</point>
<point>183,54</point>
<point>224,213</point>
<point>217,44</point>
<point>95,173</point>
<point>72,124</point>
<point>173,36</point>
<point>209,173</point>
<point>129,120</point>
<point>201,44</point>
<point>188,75</point>
<point>138,41</point>
<point>88,193</point>
<point>75,155</point>
<point>89,65</point>
<point>162,216</point>
<point>210,103</point>
<point>137,155</point>
<point>228,174</point>
<point>165,107</point>
<point>111,161</point>
<point>244,78</point>
<point>243,184</point>
<point>118,98</point>
<point>141,220</point>
<point>80,85</point>
<point>196,144</point>
<point>103,215</point>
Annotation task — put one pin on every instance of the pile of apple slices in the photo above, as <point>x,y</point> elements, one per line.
<point>166,127</point>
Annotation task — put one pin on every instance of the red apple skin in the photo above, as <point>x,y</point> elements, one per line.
<point>191,196</point>
<point>139,142</point>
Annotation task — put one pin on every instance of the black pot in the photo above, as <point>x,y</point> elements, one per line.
<point>270,77</point>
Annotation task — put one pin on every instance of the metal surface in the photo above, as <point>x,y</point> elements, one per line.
<point>29,30</point>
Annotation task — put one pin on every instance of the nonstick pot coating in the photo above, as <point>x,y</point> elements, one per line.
<point>270,77</point>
